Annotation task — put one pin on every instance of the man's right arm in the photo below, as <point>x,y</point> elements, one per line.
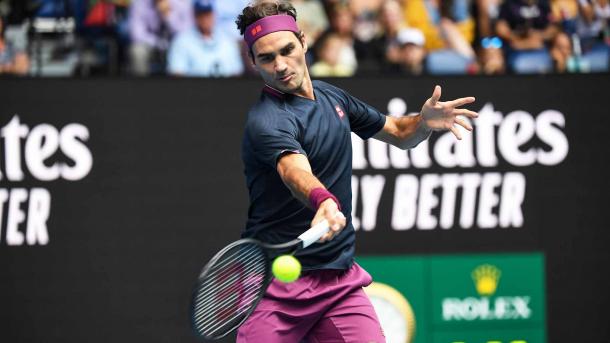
<point>296,173</point>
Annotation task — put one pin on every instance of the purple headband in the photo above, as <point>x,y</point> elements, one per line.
<point>267,25</point>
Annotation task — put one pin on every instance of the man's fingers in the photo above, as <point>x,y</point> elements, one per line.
<point>460,102</point>
<point>327,237</point>
<point>465,112</point>
<point>436,95</point>
<point>456,132</point>
<point>463,123</point>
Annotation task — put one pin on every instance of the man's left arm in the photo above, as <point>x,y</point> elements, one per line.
<point>406,132</point>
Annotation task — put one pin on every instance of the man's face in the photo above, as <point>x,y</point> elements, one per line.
<point>205,22</point>
<point>280,59</point>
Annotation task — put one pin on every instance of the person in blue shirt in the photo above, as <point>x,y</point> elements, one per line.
<point>201,51</point>
<point>297,157</point>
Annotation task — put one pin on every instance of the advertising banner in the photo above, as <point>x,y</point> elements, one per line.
<point>115,192</point>
<point>459,298</point>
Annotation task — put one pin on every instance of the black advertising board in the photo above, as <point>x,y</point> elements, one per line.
<point>114,192</point>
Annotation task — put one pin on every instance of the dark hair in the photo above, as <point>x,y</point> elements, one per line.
<point>261,9</point>
<point>2,24</point>
<point>264,8</point>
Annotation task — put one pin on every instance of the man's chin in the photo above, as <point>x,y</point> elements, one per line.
<point>288,87</point>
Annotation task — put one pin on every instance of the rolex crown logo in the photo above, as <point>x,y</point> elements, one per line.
<point>486,279</point>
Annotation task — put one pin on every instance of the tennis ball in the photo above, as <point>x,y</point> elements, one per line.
<point>286,268</point>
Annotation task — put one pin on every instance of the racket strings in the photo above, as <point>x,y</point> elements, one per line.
<point>228,288</point>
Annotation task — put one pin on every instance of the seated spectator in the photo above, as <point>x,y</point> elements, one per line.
<point>561,53</point>
<point>341,22</point>
<point>382,53</point>
<point>311,19</point>
<point>365,13</point>
<point>491,56</point>
<point>412,53</point>
<point>201,51</point>
<point>486,13</point>
<point>447,25</point>
<point>225,12</point>
<point>152,25</point>
<point>594,24</point>
<point>565,14</point>
<point>525,27</point>
<point>12,60</point>
<point>329,64</point>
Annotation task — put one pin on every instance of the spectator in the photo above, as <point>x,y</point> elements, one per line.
<point>486,12</point>
<point>311,19</point>
<point>591,42</point>
<point>329,64</point>
<point>152,25</point>
<point>341,22</point>
<point>12,61</point>
<point>201,51</point>
<point>561,53</point>
<point>412,53</point>
<point>446,24</point>
<point>382,53</point>
<point>524,25</point>
<point>491,56</point>
<point>593,27</point>
<point>365,13</point>
<point>225,12</point>
<point>565,14</point>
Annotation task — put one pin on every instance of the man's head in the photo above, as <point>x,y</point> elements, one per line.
<point>391,17</point>
<point>412,51</point>
<point>330,49</point>
<point>341,19</point>
<point>204,15</point>
<point>276,45</point>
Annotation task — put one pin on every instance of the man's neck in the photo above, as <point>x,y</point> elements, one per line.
<point>306,90</point>
<point>205,34</point>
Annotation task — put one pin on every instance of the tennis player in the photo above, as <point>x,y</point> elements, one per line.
<point>298,159</point>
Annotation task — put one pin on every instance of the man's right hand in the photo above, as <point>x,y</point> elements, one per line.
<point>330,211</point>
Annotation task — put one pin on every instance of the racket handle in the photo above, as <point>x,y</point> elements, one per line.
<point>310,236</point>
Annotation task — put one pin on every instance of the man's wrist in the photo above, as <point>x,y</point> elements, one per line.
<point>318,195</point>
<point>422,126</point>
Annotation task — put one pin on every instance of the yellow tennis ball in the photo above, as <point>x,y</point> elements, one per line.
<point>286,268</point>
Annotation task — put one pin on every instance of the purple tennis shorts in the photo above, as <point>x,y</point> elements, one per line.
<point>321,306</point>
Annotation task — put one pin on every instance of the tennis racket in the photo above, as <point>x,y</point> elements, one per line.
<point>233,282</point>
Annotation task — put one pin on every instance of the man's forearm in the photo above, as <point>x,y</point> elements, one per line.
<point>413,131</point>
<point>405,132</point>
<point>301,183</point>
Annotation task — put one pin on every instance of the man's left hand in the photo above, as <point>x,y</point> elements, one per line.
<point>443,115</point>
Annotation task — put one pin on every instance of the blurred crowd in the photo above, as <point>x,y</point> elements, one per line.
<point>345,37</point>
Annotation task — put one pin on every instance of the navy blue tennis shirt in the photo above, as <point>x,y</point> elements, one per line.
<point>319,129</point>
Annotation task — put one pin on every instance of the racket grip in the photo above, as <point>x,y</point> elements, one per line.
<point>310,236</point>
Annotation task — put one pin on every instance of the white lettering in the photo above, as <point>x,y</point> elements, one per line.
<point>16,216</point>
<point>552,136</point>
<point>71,141</point>
<point>450,184</point>
<point>427,201</point>
<point>517,129</point>
<point>470,183</point>
<point>372,188</point>
<point>13,132</point>
<point>485,135</point>
<point>405,202</point>
<point>513,194</point>
<point>41,144</point>
<point>38,214</point>
<point>488,200</point>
